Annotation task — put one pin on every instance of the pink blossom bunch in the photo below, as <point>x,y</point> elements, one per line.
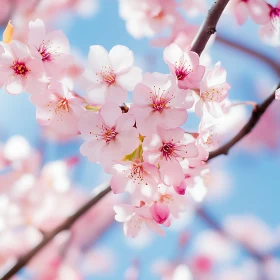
<point>150,156</point>
<point>146,150</point>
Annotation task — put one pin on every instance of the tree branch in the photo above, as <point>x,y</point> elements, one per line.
<point>275,65</point>
<point>67,224</point>
<point>208,27</point>
<point>247,128</point>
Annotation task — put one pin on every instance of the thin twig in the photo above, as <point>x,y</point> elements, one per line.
<point>208,28</point>
<point>247,128</point>
<point>274,64</point>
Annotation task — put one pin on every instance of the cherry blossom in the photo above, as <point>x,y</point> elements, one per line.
<point>19,70</point>
<point>134,218</point>
<point>184,66</point>
<point>157,101</point>
<point>110,76</point>
<point>147,18</point>
<point>213,90</point>
<point>270,31</point>
<point>58,108</point>
<point>167,148</point>
<point>109,135</point>
<point>257,9</point>
<point>138,178</point>
<point>53,48</point>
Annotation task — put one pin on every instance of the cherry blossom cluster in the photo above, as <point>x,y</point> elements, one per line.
<point>148,18</point>
<point>150,156</point>
<point>145,148</point>
<point>30,206</point>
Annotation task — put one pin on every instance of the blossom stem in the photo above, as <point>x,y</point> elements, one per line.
<point>247,128</point>
<point>208,28</point>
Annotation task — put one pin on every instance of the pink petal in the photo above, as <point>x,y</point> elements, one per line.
<point>89,124</point>
<point>125,122</point>
<point>118,182</point>
<point>116,94</point>
<point>160,212</point>
<point>36,32</point>
<point>130,79</point>
<point>241,13</point>
<point>92,150</point>
<point>171,172</point>
<point>97,94</point>
<point>98,58</point>
<point>110,112</point>
<point>175,117</point>
<point>14,85</point>
<point>121,58</point>
<point>142,95</point>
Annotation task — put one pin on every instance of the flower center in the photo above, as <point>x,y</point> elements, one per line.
<point>168,150</point>
<point>275,18</point>
<point>47,53</point>
<point>109,134</point>
<point>182,70</point>
<point>166,198</point>
<point>160,99</point>
<point>19,68</point>
<point>108,75</point>
<point>137,173</point>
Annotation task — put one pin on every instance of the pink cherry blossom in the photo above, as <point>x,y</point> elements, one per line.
<point>171,202</point>
<point>184,66</point>
<point>157,101</point>
<point>53,48</point>
<point>19,70</point>
<point>167,149</point>
<point>138,178</point>
<point>134,218</point>
<point>109,135</point>
<point>147,17</point>
<point>270,32</point>
<point>58,108</point>
<point>110,76</point>
<point>213,90</point>
<point>257,9</point>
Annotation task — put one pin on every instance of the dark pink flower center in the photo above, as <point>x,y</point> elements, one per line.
<point>47,52</point>
<point>182,70</point>
<point>109,134</point>
<point>275,18</point>
<point>160,99</point>
<point>20,68</point>
<point>108,75</point>
<point>168,150</point>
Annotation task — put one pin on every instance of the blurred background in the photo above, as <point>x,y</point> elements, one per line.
<point>243,187</point>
